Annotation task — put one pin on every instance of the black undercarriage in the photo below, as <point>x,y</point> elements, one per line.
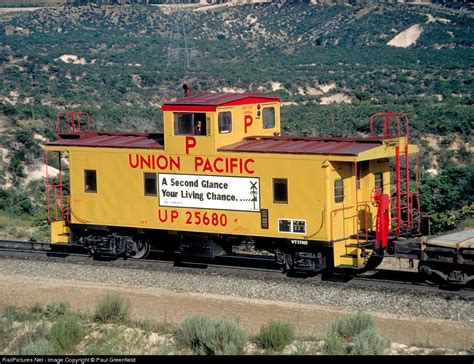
<point>440,265</point>
<point>110,242</point>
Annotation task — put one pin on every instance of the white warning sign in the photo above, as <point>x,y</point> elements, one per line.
<point>209,192</point>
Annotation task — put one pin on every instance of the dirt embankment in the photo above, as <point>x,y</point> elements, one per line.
<point>159,305</point>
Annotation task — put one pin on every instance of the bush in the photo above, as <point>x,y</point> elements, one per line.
<point>24,335</point>
<point>66,333</point>
<point>207,336</point>
<point>369,342</point>
<point>111,341</point>
<point>112,309</point>
<point>6,333</point>
<point>55,309</point>
<point>12,314</point>
<point>348,327</point>
<point>276,335</point>
<point>333,344</point>
<point>36,308</point>
<point>303,348</point>
<point>40,347</point>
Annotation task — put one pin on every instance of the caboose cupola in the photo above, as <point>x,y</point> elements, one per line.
<point>199,125</point>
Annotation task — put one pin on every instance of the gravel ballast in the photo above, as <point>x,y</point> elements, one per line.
<point>254,285</point>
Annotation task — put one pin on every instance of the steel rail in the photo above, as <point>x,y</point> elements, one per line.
<point>381,278</point>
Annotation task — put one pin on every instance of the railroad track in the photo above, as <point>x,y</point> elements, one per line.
<point>385,279</point>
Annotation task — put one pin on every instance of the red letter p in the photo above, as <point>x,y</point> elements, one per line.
<point>248,120</point>
<point>190,143</point>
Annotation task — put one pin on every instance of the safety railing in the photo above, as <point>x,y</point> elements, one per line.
<point>75,122</point>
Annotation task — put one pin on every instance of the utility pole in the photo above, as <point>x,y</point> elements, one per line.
<point>179,51</point>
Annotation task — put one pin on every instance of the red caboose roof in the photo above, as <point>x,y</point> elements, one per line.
<point>304,145</point>
<point>109,140</point>
<point>210,101</point>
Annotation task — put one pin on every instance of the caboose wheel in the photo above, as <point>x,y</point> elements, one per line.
<point>143,249</point>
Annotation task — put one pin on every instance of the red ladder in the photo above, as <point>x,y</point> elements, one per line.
<point>405,204</point>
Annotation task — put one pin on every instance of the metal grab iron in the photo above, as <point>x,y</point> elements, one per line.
<point>382,223</point>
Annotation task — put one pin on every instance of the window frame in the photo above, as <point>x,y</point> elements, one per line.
<point>204,123</point>
<point>145,175</point>
<point>274,182</point>
<point>86,189</point>
<point>229,130</point>
<point>263,117</point>
<point>338,197</point>
<point>378,182</point>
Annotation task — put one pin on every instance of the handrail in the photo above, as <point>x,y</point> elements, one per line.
<point>366,204</point>
<point>323,214</point>
<point>335,211</point>
<point>386,126</point>
<point>57,203</point>
<point>73,121</point>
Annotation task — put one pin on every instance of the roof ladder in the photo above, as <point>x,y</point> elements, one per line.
<point>405,204</point>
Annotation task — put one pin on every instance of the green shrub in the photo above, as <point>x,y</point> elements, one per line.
<point>12,314</point>
<point>369,342</point>
<point>36,308</point>
<point>39,347</point>
<point>112,309</point>
<point>276,335</point>
<point>333,344</point>
<point>28,333</point>
<point>55,309</point>
<point>6,333</point>
<point>349,326</point>
<point>302,348</point>
<point>207,336</point>
<point>109,342</point>
<point>145,325</point>
<point>66,333</point>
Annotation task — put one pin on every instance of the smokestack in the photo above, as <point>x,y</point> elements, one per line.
<point>187,90</point>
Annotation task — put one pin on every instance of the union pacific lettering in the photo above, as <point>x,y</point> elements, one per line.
<point>201,164</point>
<point>224,165</point>
<point>160,162</point>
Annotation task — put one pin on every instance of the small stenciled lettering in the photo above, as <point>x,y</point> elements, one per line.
<point>299,242</point>
<point>295,226</point>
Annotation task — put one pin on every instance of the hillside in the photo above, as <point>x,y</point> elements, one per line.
<point>333,65</point>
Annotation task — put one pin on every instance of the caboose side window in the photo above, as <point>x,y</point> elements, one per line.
<point>90,181</point>
<point>338,191</point>
<point>362,168</point>
<point>225,122</point>
<point>379,181</point>
<point>268,117</point>
<point>150,184</point>
<point>190,124</point>
<point>280,190</point>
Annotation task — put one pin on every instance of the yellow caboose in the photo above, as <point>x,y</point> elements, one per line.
<point>220,176</point>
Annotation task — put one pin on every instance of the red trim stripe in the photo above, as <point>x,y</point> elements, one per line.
<point>188,108</point>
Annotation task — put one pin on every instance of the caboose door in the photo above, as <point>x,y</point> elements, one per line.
<point>342,201</point>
